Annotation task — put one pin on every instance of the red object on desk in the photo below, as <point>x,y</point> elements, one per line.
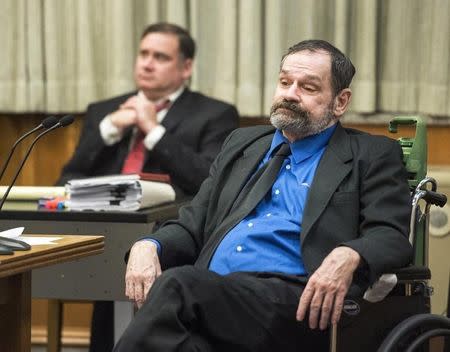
<point>148,176</point>
<point>55,203</point>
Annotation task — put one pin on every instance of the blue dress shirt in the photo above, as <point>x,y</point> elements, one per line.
<point>268,239</point>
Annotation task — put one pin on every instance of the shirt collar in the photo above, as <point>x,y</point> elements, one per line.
<point>303,148</point>
<point>172,97</point>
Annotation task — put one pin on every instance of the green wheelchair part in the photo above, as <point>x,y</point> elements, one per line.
<point>415,160</point>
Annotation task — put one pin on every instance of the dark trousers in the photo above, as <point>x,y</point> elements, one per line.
<point>191,309</point>
<point>102,327</point>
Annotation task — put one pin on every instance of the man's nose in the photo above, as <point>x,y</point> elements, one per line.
<point>148,62</point>
<point>292,93</point>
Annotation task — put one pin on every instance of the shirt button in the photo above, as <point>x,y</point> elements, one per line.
<point>288,167</point>
<point>250,224</point>
<point>268,214</point>
<point>277,191</point>
<point>239,248</point>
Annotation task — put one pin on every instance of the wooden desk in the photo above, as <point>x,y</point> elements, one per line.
<point>100,277</point>
<point>15,284</point>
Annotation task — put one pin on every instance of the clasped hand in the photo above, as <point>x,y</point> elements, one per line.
<point>135,111</point>
<point>324,294</point>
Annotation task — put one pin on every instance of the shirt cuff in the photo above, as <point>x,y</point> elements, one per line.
<point>109,133</point>
<point>154,136</point>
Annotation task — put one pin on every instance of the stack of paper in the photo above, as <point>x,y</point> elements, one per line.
<point>120,193</point>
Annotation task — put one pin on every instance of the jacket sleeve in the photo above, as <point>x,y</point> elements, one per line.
<point>385,209</point>
<point>89,145</point>
<point>91,156</point>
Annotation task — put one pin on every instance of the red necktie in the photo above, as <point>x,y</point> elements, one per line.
<point>135,159</point>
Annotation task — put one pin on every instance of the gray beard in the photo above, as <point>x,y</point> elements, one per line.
<point>297,122</point>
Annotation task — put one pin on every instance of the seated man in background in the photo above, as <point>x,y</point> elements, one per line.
<point>290,220</point>
<point>163,127</point>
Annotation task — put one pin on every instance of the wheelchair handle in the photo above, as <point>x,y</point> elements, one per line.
<point>414,149</point>
<point>426,182</point>
<point>407,120</point>
<point>435,198</point>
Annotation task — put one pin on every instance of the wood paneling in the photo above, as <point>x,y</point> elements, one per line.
<point>76,322</point>
<point>438,140</point>
<point>15,299</point>
<point>438,137</point>
<point>48,156</point>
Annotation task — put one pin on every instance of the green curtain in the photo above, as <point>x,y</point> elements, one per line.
<point>60,55</point>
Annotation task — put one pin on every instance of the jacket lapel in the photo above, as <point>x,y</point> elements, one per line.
<point>177,112</point>
<point>241,162</point>
<point>240,173</point>
<point>336,158</point>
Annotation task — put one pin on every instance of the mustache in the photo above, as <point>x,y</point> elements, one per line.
<point>289,106</point>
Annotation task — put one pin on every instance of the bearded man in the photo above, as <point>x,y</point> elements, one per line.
<point>289,221</point>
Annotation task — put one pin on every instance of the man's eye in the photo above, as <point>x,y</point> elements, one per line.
<point>309,88</point>
<point>284,83</point>
<point>161,57</point>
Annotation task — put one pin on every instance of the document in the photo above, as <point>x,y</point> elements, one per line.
<point>32,192</point>
<point>17,233</point>
<point>117,193</point>
<point>37,240</point>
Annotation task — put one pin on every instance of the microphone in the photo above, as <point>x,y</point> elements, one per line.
<point>46,123</point>
<point>63,122</point>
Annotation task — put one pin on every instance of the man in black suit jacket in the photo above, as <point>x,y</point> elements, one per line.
<point>351,227</point>
<point>181,140</point>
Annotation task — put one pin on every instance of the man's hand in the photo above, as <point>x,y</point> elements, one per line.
<point>326,289</point>
<point>125,116</point>
<point>144,112</point>
<point>146,115</point>
<point>142,270</point>
<point>135,111</point>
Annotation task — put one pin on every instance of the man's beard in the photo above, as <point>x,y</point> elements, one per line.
<point>297,121</point>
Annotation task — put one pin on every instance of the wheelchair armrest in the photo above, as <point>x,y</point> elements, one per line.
<point>413,273</point>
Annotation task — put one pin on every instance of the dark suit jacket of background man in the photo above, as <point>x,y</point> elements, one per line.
<point>359,197</point>
<point>196,127</point>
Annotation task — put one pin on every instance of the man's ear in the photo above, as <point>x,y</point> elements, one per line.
<point>187,68</point>
<point>341,102</point>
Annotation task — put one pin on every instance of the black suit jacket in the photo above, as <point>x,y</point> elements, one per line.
<point>359,198</point>
<point>196,127</point>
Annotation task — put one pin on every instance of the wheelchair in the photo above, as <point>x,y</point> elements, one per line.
<point>364,325</point>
